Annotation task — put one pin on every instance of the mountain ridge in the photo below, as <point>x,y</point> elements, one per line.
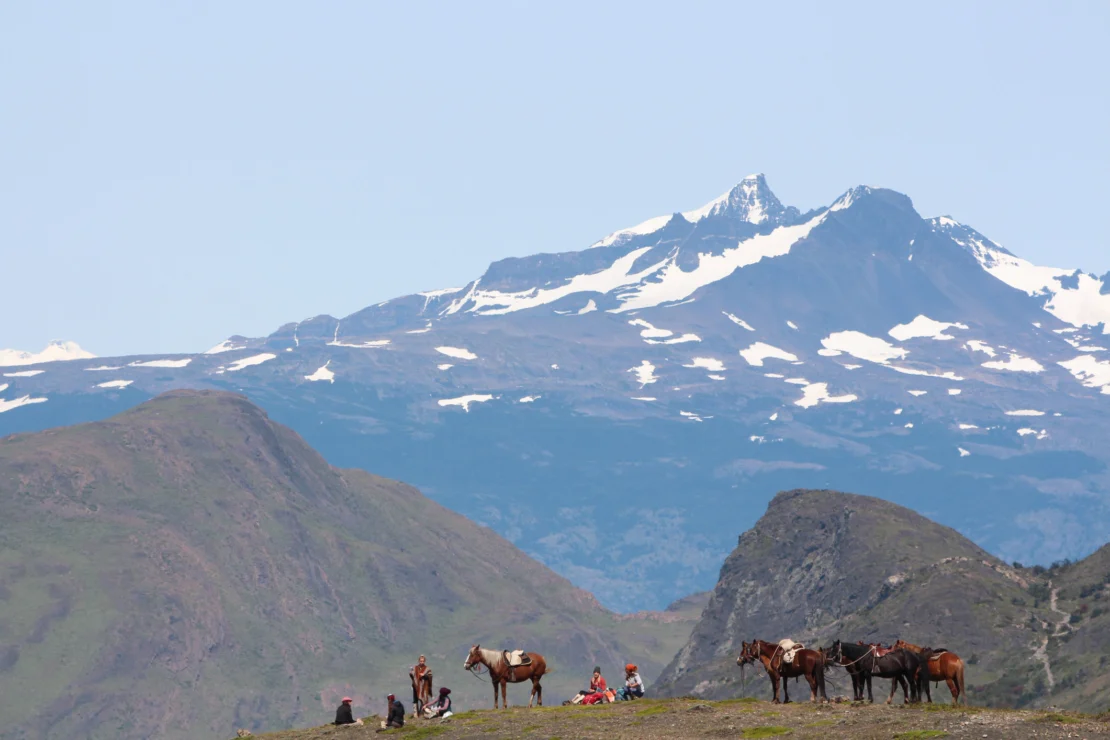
<point>717,357</point>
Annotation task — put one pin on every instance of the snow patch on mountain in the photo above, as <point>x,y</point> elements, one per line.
<point>862,346</point>
<point>760,351</point>
<point>56,351</point>
<point>529,399</point>
<point>459,353</point>
<point>1025,412</point>
<point>17,402</point>
<point>1015,363</point>
<point>816,393</point>
<point>250,361</point>
<point>923,326</point>
<point>675,340</point>
<point>738,321</point>
<point>644,372</point>
<point>162,363</point>
<point>590,307</point>
<point>649,330</point>
<point>444,366</point>
<point>675,284</point>
<point>963,452</point>
<point>495,302</point>
<point>946,375</point>
<point>370,344</point>
<point>115,384</point>
<point>1073,297</point>
<point>322,373</point>
<point>465,401</point>
<point>916,392</point>
<point>1089,371</point>
<point>977,346</point>
<point>707,363</point>
<point>225,346</point>
<point>24,374</point>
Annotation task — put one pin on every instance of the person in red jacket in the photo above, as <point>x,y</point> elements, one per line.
<point>597,688</point>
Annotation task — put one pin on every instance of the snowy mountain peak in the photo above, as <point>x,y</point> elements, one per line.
<point>56,351</point>
<point>750,200</point>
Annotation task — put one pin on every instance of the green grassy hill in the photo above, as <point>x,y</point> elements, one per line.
<point>821,565</point>
<point>190,567</point>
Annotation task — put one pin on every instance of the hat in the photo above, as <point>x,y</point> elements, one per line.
<point>597,669</point>
<point>346,699</point>
<point>391,697</point>
<point>444,691</point>
<point>631,667</point>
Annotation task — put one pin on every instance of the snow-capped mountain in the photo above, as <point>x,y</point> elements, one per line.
<point>56,351</point>
<point>623,411</point>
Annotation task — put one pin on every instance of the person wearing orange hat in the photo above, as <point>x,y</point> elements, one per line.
<point>633,685</point>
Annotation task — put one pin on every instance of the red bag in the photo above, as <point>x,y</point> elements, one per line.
<point>593,698</point>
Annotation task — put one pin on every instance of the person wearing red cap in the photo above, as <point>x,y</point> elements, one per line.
<point>344,716</point>
<point>395,717</point>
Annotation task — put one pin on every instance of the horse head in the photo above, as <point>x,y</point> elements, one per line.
<point>835,652</point>
<point>473,658</point>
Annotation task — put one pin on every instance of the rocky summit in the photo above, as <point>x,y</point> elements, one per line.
<point>820,566</point>
<point>620,411</point>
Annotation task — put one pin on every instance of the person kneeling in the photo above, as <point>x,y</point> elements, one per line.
<point>633,684</point>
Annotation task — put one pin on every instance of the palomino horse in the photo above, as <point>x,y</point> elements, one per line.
<point>944,665</point>
<point>501,673</point>
<point>808,663</point>
<point>421,688</point>
<point>864,661</point>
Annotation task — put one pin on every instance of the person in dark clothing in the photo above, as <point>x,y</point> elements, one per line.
<point>396,716</point>
<point>343,715</point>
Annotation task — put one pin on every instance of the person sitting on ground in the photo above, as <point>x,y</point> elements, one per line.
<point>396,715</point>
<point>344,716</point>
<point>442,706</point>
<point>596,692</point>
<point>633,684</point>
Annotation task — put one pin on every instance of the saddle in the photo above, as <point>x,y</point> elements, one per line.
<point>514,658</point>
<point>789,649</point>
<point>879,650</point>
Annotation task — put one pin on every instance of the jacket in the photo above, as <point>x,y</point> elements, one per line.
<point>343,715</point>
<point>396,715</point>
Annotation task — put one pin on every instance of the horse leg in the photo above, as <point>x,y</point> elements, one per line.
<point>539,692</point>
<point>785,691</point>
<point>504,696</point>
<point>775,686</point>
<point>532,695</point>
<point>811,679</point>
<point>952,687</point>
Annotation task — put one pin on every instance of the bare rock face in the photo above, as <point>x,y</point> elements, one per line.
<point>822,565</point>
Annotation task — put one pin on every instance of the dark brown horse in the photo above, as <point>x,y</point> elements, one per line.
<point>501,673</point>
<point>808,663</point>
<point>944,665</point>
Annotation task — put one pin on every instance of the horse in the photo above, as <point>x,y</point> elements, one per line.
<point>942,665</point>
<point>808,663</point>
<point>421,688</point>
<point>863,662</point>
<point>501,673</point>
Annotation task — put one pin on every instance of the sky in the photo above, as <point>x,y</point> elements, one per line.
<point>173,173</point>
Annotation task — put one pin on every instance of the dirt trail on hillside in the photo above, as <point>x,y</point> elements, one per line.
<point>1058,628</point>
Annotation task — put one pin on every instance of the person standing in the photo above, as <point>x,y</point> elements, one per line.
<point>421,677</point>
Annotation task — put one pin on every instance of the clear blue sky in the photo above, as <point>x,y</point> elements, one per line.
<point>175,172</point>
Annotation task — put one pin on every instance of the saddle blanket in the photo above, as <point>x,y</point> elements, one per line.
<point>789,649</point>
<point>516,657</point>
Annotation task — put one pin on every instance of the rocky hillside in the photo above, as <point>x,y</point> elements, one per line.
<point>190,567</point>
<point>821,565</point>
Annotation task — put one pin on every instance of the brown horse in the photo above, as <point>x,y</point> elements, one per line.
<point>943,665</point>
<point>808,663</point>
<point>501,673</point>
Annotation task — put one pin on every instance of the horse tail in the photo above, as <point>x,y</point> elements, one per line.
<point>960,685</point>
